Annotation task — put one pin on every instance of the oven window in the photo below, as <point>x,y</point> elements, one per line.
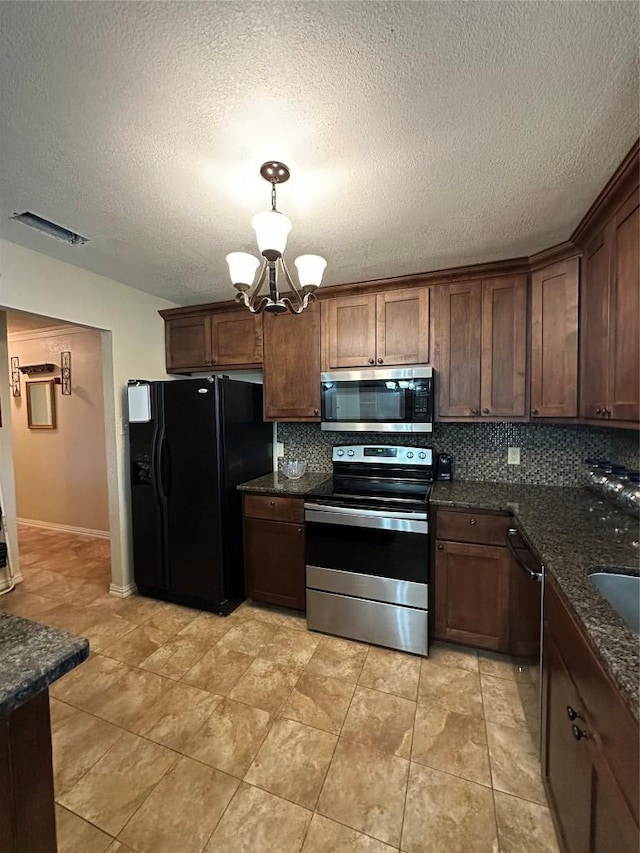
<point>369,400</point>
<point>384,553</point>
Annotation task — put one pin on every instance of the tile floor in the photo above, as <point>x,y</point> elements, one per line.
<point>187,732</point>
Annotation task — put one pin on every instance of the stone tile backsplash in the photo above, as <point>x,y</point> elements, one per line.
<point>549,454</point>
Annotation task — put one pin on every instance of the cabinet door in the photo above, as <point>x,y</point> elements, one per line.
<point>274,565</point>
<point>612,824</point>
<point>402,326</point>
<point>457,349</point>
<point>566,762</point>
<point>594,330</point>
<point>236,338</point>
<point>554,340</point>
<point>292,366</point>
<point>472,594</point>
<point>350,331</point>
<point>504,347</point>
<point>188,343</point>
<point>624,348</point>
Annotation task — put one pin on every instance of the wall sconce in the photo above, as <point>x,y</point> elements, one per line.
<point>65,370</point>
<point>15,376</point>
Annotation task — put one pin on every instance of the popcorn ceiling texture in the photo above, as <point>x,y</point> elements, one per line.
<point>419,135</point>
<point>549,454</point>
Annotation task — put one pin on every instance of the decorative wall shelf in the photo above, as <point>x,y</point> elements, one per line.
<point>31,369</point>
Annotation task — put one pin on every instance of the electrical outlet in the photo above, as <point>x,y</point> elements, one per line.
<point>279,449</point>
<point>513,456</point>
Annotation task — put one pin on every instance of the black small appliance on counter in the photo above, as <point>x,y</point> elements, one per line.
<point>444,467</point>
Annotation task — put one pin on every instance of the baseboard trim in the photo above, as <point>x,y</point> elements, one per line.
<point>122,591</point>
<point>65,528</point>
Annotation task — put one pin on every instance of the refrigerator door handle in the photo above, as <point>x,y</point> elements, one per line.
<point>162,466</point>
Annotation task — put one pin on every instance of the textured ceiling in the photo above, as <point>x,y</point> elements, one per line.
<point>420,135</point>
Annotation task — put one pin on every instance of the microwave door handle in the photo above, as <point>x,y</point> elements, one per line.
<point>511,532</point>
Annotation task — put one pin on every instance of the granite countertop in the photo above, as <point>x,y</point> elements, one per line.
<point>32,656</point>
<point>571,533</point>
<point>276,483</point>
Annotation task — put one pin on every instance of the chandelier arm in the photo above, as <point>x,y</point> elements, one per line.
<point>255,289</point>
<point>253,308</point>
<point>294,288</point>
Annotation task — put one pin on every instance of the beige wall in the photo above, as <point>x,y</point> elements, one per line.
<point>133,348</point>
<point>61,474</point>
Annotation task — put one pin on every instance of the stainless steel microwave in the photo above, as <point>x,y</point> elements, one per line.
<point>385,399</point>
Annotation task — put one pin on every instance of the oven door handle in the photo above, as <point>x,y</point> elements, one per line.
<point>376,519</point>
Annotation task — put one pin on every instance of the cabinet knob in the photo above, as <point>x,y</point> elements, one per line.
<point>299,530</point>
<point>472,521</point>
<point>608,412</point>
<point>372,361</point>
<point>573,714</point>
<point>599,410</point>
<point>485,411</point>
<point>440,547</point>
<point>272,503</point>
<point>578,733</point>
<point>475,411</point>
<point>380,361</point>
<point>534,411</point>
<point>315,411</point>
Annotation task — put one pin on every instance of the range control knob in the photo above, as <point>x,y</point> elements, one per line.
<point>422,455</point>
<point>409,454</point>
<point>340,452</point>
<point>351,453</point>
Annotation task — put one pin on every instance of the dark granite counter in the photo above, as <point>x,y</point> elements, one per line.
<point>573,531</point>
<point>277,484</point>
<point>32,656</point>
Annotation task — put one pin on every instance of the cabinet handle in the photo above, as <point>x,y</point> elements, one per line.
<point>475,411</point>
<point>485,411</point>
<point>472,521</point>
<point>578,733</point>
<point>380,361</point>
<point>315,411</point>
<point>608,412</point>
<point>534,411</point>
<point>573,714</point>
<point>372,361</point>
<point>440,547</point>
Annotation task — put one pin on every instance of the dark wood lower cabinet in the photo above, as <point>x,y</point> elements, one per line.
<point>274,564</point>
<point>589,742</point>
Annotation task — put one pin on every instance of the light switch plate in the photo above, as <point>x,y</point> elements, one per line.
<point>513,456</point>
<point>279,449</point>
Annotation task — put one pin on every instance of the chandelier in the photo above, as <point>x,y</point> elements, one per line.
<point>272,229</point>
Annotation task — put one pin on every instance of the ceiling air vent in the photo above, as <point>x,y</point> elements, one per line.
<point>50,228</point>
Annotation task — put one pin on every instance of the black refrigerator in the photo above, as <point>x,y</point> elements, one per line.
<point>192,442</point>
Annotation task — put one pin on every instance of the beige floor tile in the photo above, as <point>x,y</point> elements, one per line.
<point>381,720</point>
<point>338,658</point>
<point>68,617</point>
<point>129,702</point>
<point>137,645</point>
<point>503,666</point>
<point>230,738</point>
<point>455,743</point>
<point>262,612</point>
<point>118,847</point>
<point>182,811</point>
<point>327,836</point>
<point>107,629</point>
<point>291,648</point>
<point>249,636</point>
<point>117,785</point>
<point>295,619</point>
<point>29,605</point>
<point>445,813</point>
<point>515,767</point>
<point>133,608</point>
<point>172,618</point>
<point>178,715</point>
<point>456,656</point>
<point>208,628</point>
<point>78,742</point>
<point>524,827</point>
<point>59,711</point>
<point>175,657</point>
<point>391,672</point>
<point>503,701</point>
<point>292,762</point>
<point>258,822</point>
<point>82,686</point>
<point>218,670</point>
<point>365,789</point>
<point>77,836</point>
<point>265,685</point>
<point>450,687</point>
<point>319,701</point>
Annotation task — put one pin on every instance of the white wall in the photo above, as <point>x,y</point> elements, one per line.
<point>133,347</point>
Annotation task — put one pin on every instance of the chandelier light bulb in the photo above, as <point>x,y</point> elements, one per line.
<point>242,268</point>
<point>310,270</point>
<point>272,229</point>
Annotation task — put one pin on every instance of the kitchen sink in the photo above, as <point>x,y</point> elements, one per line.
<point>622,591</point>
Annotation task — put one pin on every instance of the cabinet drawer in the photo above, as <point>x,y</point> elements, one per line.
<point>274,508</point>
<point>475,527</point>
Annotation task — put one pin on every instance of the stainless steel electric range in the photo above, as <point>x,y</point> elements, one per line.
<point>367,547</point>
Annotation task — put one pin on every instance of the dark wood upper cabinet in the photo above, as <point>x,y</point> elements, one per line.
<point>480,349</point>
<point>292,366</point>
<point>203,340</point>
<point>376,329</point>
<point>188,343</point>
<point>554,340</point>
<point>594,329</point>
<point>236,338</point>
<point>457,347</point>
